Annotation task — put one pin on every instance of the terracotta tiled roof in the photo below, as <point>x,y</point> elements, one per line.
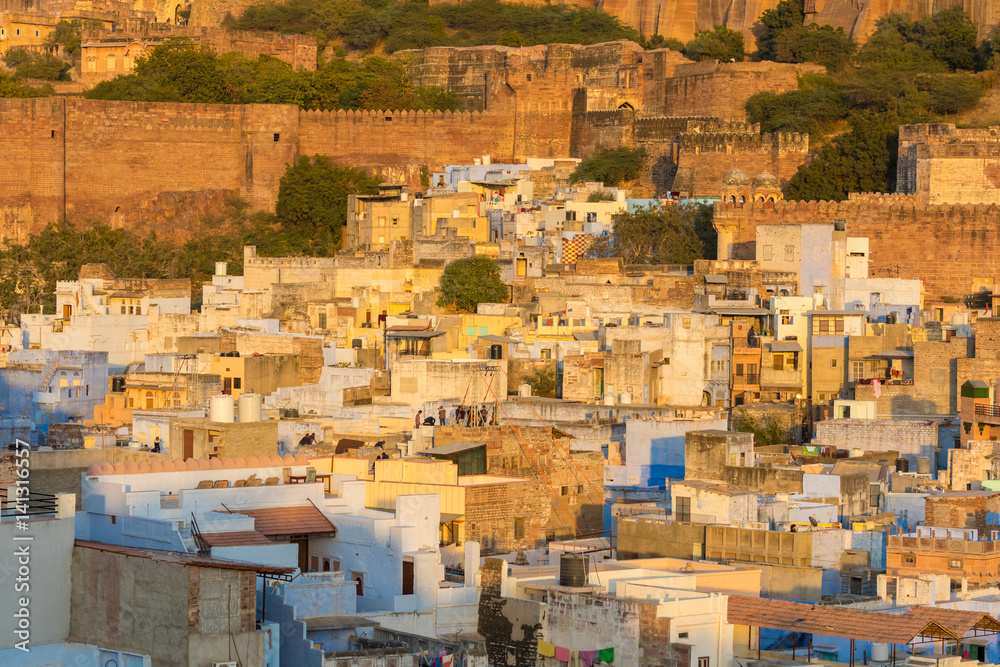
<point>288,520</point>
<point>844,622</point>
<point>956,621</point>
<point>237,538</point>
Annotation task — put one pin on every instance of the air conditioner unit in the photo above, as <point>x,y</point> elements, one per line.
<point>224,664</point>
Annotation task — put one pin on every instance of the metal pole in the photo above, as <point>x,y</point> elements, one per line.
<point>758,642</point>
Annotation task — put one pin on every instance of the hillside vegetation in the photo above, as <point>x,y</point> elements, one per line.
<point>908,72</point>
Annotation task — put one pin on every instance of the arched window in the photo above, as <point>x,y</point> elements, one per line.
<point>149,400</point>
<point>112,63</point>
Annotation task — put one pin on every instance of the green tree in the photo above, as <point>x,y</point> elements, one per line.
<point>661,42</point>
<point>822,45</point>
<point>666,235</point>
<point>814,108</point>
<point>775,23</point>
<point>767,429</point>
<point>67,35</point>
<point>542,382</point>
<point>10,87</point>
<point>312,201</point>
<point>862,160</point>
<point>468,282</point>
<point>720,44</point>
<point>611,166</point>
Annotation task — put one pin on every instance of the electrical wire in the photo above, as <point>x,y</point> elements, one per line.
<point>527,450</point>
<point>564,452</point>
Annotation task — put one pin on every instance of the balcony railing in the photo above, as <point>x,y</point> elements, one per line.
<point>988,410</point>
<point>781,378</point>
<point>35,504</point>
<point>753,379</point>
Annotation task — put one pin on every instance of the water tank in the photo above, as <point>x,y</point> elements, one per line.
<point>924,465</point>
<point>625,399</point>
<point>902,465</point>
<point>496,351</point>
<point>221,409</point>
<point>249,408</point>
<point>880,652</point>
<point>573,570</point>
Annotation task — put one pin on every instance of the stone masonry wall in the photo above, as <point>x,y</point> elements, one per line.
<point>945,246</point>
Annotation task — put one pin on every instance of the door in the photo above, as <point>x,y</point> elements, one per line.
<point>522,266</point>
<point>303,544</point>
<point>67,311</point>
<point>407,577</point>
<point>188,443</point>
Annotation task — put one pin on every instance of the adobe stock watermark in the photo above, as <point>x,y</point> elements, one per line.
<point>22,546</point>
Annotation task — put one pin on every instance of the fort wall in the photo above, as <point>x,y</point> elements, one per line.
<point>946,246</point>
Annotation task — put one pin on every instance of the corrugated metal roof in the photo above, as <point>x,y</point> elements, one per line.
<point>236,538</point>
<point>288,520</point>
<point>184,559</point>
<point>716,278</point>
<point>452,448</point>
<point>785,346</point>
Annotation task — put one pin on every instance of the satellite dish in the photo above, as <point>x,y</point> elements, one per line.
<point>813,521</point>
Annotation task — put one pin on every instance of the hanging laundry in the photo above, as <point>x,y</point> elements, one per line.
<point>447,660</point>
<point>546,649</point>
<point>606,655</point>
<point>588,657</point>
<point>562,654</point>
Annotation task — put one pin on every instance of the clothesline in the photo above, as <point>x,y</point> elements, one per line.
<point>604,656</point>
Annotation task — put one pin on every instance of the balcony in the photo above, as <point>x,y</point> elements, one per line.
<point>780,378</point>
<point>746,381</point>
<point>987,414</point>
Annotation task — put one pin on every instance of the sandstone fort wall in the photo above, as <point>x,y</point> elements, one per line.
<point>946,246</point>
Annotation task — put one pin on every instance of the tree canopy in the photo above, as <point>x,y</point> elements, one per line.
<point>611,166</point>
<point>180,72</point>
<point>312,201</point>
<point>415,24</point>
<point>470,281</point>
<point>663,235</point>
<point>908,71</point>
<point>718,44</point>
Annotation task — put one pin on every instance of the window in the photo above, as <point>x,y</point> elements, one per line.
<point>909,560</point>
<point>767,253</point>
<point>686,323</point>
<point>682,635</point>
<point>314,563</point>
<point>112,63</point>
<point>789,253</point>
<point>739,370</point>
<point>857,370</point>
<point>824,325</point>
<point>138,310</point>
<point>833,363</point>
<point>719,366</point>
<point>277,136</point>
<point>359,581</point>
<point>519,528</point>
<point>682,509</point>
<point>37,34</point>
<point>591,216</point>
<point>779,362</point>
<point>237,383</point>
<point>703,661</point>
<point>17,32</point>
<point>124,310</point>
<point>955,563</point>
<point>322,320</point>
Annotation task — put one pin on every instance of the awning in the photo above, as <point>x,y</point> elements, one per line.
<point>414,335</point>
<point>584,335</point>
<point>785,346</point>
<point>451,448</point>
<point>716,279</point>
<point>289,521</point>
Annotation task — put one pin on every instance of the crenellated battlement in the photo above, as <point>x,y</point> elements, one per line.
<point>389,116</point>
<point>744,142</point>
